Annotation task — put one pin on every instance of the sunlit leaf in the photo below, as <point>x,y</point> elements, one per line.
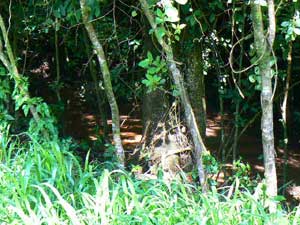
<point>297,30</point>
<point>181,2</point>
<point>172,14</point>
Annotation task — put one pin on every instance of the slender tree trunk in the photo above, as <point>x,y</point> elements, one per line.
<point>238,98</point>
<point>57,64</point>
<point>107,83</point>
<point>10,63</point>
<point>284,111</point>
<point>263,48</point>
<point>179,83</point>
<point>100,96</point>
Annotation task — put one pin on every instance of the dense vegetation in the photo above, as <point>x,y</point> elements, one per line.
<point>79,76</point>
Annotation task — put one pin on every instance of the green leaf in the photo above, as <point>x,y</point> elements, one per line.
<point>2,71</point>
<point>133,13</point>
<point>279,198</point>
<point>97,11</point>
<point>161,32</point>
<point>146,82</point>
<point>156,78</point>
<point>252,78</point>
<point>56,13</point>
<point>25,109</point>
<point>159,13</point>
<point>256,70</point>
<point>152,70</point>
<point>149,77</point>
<point>212,17</point>
<point>158,20</point>
<point>285,24</point>
<point>175,93</point>
<point>144,64</point>
<point>150,57</point>
<point>9,117</point>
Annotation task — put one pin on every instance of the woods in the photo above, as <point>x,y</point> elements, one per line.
<point>149,112</point>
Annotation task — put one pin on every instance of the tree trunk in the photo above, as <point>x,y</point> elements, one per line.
<point>179,83</point>
<point>235,152</point>
<point>107,83</point>
<point>10,64</point>
<point>100,95</point>
<point>154,108</point>
<point>57,62</point>
<point>285,110</point>
<point>196,86</point>
<point>263,48</point>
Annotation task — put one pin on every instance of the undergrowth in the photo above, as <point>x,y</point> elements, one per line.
<point>43,183</point>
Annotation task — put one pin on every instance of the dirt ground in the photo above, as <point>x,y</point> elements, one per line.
<point>80,124</point>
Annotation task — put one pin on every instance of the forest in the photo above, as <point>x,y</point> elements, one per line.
<point>149,112</point>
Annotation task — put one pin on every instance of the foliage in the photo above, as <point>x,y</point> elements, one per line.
<point>156,69</point>
<point>42,183</point>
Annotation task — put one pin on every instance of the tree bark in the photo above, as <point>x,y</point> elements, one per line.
<point>178,80</point>
<point>107,83</point>
<point>196,87</point>
<point>263,46</point>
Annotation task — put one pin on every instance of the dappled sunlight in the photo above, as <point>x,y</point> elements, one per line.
<point>211,132</point>
<point>259,168</point>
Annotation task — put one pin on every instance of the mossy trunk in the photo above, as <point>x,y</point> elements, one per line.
<point>107,83</point>
<point>263,46</point>
<point>154,108</point>
<point>196,86</point>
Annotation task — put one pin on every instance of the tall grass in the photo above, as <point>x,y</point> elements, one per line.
<point>43,183</point>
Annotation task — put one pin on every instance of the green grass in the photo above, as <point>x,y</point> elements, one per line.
<point>43,183</point>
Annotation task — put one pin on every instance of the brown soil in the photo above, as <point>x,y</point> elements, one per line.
<point>80,123</point>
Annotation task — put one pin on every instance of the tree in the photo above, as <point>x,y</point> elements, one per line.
<point>107,83</point>
<point>263,46</point>
<point>21,96</point>
<point>200,148</point>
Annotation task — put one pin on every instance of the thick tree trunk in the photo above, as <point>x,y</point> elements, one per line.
<point>155,104</point>
<point>179,83</point>
<point>154,108</point>
<point>107,83</point>
<point>196,87</point>
<point>263,48</point>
